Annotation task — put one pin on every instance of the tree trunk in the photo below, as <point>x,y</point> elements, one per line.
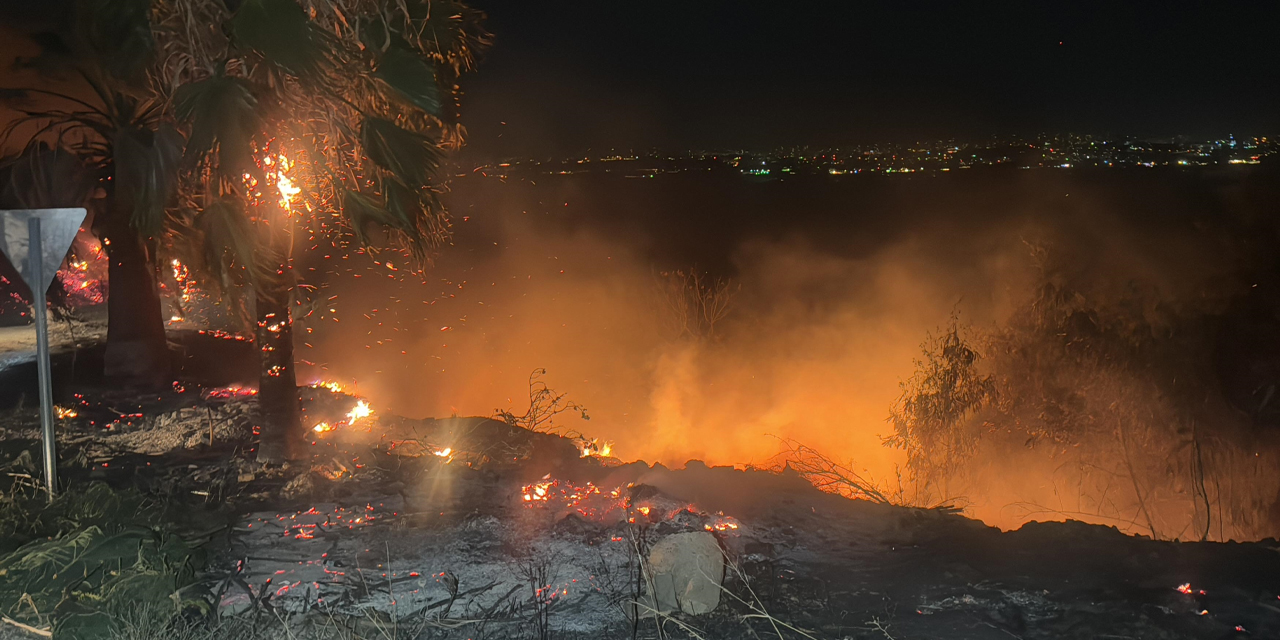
<point>137,352</point>
<point>282,430</point>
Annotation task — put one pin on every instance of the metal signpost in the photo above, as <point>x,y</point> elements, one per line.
<point>36,242</point>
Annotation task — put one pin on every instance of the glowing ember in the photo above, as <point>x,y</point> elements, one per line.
<point>359,412</point>
<point>233,391</point>
<point>445,452</point>
<point>64,413</point>
<point>322,427</point>
<point>722,523</point>
<point>82,278</point>
<point>224,335</point>
<point>1184,588</point>
<point>587,500</point>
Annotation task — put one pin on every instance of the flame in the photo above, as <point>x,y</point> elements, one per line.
<point>537,492</point>
<point>328,384</point>
<point>595,448</point>
<point>322,427</point>
<point>65,412</point>
<point>445,452</point>
<point>182,276</point>
<point>359,412</point>
<point>285,184</point>
<point>1184,588</point>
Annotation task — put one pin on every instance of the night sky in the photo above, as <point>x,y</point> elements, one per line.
<point>571,75</point>
<point>576,74</point>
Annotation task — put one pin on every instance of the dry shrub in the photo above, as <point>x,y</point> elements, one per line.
<point>545,404</point>
<point>694,303</point>
<point>1100,401</point>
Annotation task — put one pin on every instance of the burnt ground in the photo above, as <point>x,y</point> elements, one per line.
<point>472,528</point>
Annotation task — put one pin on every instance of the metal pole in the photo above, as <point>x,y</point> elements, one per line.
<point>36,254</point>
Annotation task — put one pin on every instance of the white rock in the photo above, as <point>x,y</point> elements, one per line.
<point>687,570</point>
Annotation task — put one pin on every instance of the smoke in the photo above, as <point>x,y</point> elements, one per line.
<point>827,318</point>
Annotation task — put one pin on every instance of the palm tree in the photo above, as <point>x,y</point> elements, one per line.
<point>330,116</point>
<point>130,150</point>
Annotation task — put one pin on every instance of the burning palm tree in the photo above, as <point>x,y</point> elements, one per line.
<point>328,117</point>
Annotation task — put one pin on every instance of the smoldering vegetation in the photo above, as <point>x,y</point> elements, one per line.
<point>1023,345</point>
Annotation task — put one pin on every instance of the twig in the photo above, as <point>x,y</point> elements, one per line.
<point>47,633</point>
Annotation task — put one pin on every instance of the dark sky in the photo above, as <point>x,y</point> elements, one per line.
<point>572,74</point>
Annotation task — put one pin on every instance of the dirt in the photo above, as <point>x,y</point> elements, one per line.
<point>469,527</point>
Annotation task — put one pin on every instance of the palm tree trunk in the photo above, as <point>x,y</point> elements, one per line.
<point>137,352</point>
<point>282,431</point>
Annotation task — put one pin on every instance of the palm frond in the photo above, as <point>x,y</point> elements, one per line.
<point>451,31</point>
<point>281,32</point>
<point>362,211</point>
<point>146,173</point>
<point>412,77</point>
<point>117,34</point>
<point>410,156</point>
<point>44,176</point>
<point>231,249</point>
<point>224,115</point>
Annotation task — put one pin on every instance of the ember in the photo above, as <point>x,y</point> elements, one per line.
<point>233,391</point>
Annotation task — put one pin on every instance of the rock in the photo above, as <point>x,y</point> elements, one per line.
<point>687,570</point>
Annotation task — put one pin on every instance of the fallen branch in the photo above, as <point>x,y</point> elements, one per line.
<point>47,633</point>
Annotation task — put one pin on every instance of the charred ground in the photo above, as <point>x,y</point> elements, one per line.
<point>461,527</point>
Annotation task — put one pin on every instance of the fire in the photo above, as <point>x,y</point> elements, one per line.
<point>359,412</point>
<point>322,427</point>
<point>1184,588</point>
<point>287,190</point>
<point>64,413</point>
<point>597,449</point>
<point>445,452</point>
<point>328,384</point>
<point>284,184</point>
<point>182,276</point>
<point>537,492</point>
